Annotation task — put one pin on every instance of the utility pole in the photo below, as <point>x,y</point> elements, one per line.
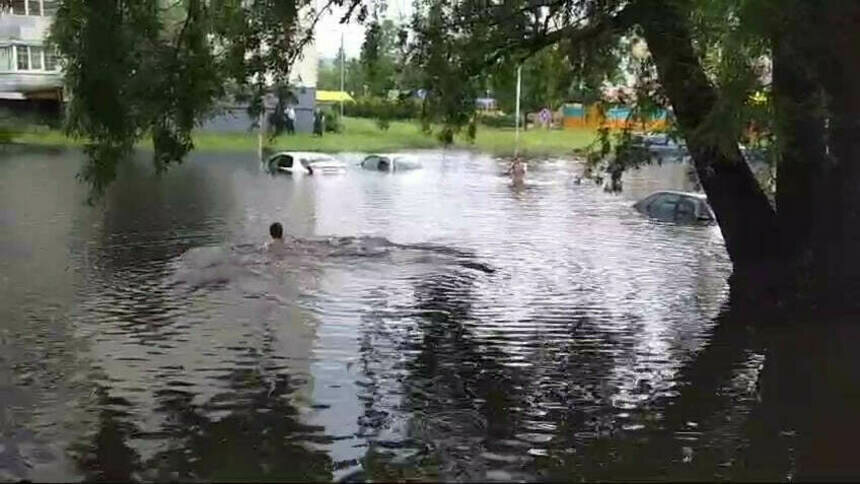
<point>260,122</point>
<point>342,64</point>
<point>519,82</point>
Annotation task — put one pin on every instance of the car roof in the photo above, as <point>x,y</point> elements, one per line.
<point>700,196</point>
<point>305,154</point>
<point>391,156</point>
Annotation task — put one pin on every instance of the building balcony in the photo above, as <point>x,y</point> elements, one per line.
<point>31,85</point>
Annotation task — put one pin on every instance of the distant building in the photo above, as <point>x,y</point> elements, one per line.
<point>303,80</point>
<point>486,104</point>
<point>328,98</point>
<point>233,117</point>
<point>31,78</point>
<point>29,71</point>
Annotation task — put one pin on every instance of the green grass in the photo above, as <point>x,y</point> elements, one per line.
<point>362,135</point>
<point>535,142</point>
<point>45,137</point>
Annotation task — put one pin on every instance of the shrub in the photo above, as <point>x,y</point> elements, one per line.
<point>383,109</point>
<point>333,123</point>
<point>504,121</point>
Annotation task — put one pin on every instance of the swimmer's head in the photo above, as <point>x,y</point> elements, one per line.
<point>276,230</point>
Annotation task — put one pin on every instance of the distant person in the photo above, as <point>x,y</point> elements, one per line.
<point>318,123</point>
<point>291,120</point>
<point>517,170</point>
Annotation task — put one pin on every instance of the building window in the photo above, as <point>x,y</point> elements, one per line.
<point>33,7</point>
<point>19,7</point>
<point>23,57</point>
<point>36,59</point>
<point>49,8</point>
<point>6,59</point>
<point>51,61</point>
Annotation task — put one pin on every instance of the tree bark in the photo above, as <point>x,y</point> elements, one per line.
<point>747,220</point>
<point>840,72</point>
<point>804,172</point>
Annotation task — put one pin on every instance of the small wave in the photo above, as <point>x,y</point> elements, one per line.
<point>213,266</point>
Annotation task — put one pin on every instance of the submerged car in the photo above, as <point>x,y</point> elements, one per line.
<point>679,207</point>
<point>389,163</point>
<point>304,163</point>
<point>661,146</point>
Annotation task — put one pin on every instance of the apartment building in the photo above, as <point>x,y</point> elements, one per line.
<point>28,70</point>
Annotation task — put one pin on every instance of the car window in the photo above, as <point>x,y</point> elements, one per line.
<point>645,202</point>
<point>705,211</point>
<point>370,161</point>
<point>685,211</point>
<point>283,161</point>
<point>663,206</point>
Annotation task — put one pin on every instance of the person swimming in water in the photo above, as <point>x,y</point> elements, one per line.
<point>276,230</point>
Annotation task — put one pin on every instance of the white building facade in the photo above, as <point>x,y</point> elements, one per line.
<point>233,117</point>
<point>28,69</point>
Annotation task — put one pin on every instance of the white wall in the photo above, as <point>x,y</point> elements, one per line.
<point>304,72</point>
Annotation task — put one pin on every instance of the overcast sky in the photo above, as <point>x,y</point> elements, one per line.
<point>328,30</point>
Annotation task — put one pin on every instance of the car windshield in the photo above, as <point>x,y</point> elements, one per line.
<point>663,205</point>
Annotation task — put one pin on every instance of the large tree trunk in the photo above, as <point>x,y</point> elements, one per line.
<point>747,220</point>
<point>804,178</point>
<point>840,73</point>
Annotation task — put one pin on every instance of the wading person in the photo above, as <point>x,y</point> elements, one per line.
<point>517,171</point>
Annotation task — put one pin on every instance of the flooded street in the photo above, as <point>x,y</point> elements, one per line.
<point>438,323</point>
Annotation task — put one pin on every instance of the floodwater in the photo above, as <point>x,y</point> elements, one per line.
<point>433,324</point>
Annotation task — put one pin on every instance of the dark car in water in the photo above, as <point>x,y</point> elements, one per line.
<point>661,146</point>
<point>678,207</point>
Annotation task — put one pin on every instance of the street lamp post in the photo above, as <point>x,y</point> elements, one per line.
<point>517,136</point>
<point>342,63</point>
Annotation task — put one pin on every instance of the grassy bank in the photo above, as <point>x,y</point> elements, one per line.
<point>362,135</point>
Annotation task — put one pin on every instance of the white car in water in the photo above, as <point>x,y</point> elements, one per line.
<point>679,207</point>
<point>299,163</point>
<point>389,163</point>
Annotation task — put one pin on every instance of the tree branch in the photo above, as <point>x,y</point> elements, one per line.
<point>622,20</point>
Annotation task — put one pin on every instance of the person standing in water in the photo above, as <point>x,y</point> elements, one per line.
<point>517,170</point>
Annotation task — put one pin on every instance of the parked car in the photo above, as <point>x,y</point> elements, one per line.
<point>389,163</point>
<point>661,145</point>
<point>304,163</point>
<point>679,207</point>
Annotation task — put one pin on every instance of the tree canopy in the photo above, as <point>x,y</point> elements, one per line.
<point>156,68</point>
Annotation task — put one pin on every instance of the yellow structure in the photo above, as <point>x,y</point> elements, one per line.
<point>578,116</point>
<point>333,97</point>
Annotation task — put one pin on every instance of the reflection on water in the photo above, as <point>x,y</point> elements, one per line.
<point>438,323</point>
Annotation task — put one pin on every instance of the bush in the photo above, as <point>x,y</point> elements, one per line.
<point>504,121</point>
<point>383,124</point>
<point>383,109</point>
<point>333,123</point>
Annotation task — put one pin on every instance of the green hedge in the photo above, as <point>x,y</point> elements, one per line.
<point>504,121</point>
<point>383,109</point>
